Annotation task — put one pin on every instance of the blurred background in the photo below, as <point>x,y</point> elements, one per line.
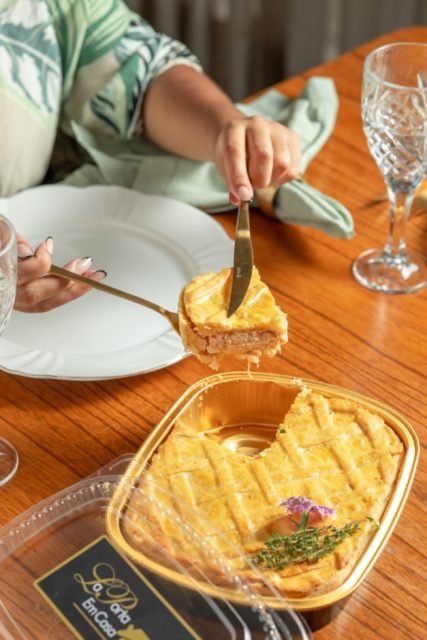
<point>246,45</point>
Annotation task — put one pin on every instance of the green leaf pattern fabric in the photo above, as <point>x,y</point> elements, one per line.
<point>73,61</point>
<point>30,68</point>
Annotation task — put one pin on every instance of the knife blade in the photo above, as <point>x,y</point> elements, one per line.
<point>243,259</point>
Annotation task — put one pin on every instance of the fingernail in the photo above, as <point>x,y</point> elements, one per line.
<point>86,262</point>
<point>102,271</point>
<point>245,193</point>
<point>49,245</point>
<point>24,252</point>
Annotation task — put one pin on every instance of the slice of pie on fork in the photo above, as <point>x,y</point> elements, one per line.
<point>258,327</point>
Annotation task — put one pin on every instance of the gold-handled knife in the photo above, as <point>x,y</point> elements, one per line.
<point>243,259</point>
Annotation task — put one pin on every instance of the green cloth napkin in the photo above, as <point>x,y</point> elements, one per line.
<point>138,164</point>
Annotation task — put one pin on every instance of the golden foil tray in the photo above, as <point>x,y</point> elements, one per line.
<point>243,412</point>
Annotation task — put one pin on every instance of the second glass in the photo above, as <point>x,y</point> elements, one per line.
<point>394,112</point>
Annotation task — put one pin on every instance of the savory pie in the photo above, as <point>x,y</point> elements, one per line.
<point>331,450</point>
<point>257,328</point>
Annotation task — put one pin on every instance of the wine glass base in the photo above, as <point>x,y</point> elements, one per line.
<point>378,271</point>
<point>9,461</point>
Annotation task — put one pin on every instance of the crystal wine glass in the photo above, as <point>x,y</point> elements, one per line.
<point>394,113</point>
<point>8,454</point>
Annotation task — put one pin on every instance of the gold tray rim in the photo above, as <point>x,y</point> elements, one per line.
<point>366,561</point>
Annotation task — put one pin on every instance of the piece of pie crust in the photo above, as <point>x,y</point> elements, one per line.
<point>329,449</point>
<point>258,327</point>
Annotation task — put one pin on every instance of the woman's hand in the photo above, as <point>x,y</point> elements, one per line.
<point>255,152</point>
<point>37,290</point>
<point>187,114</point>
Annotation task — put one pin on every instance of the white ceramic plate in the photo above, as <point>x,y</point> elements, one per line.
<point>149,245</point>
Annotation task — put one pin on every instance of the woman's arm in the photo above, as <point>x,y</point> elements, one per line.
<point>188,114</point>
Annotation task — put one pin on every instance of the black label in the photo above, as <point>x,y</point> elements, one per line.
<point>99,594</point>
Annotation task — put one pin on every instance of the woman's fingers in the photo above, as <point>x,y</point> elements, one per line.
<point>24,249</point>
<point>71,291</point>
<point>255,152</point>
<point>232,160</point>
<point>49,291</point>
<point>259,150</point>
<point>288,167</point>
<point>37,290</point>
<point>33,264</point>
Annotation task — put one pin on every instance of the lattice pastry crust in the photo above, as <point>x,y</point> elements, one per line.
<point>331,450</point>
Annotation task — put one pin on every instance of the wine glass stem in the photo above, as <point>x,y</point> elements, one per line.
<point>400,208</point>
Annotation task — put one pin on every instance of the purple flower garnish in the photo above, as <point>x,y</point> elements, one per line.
<point>299,505</point>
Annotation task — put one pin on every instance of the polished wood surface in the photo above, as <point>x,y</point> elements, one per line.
<point>339,333</point>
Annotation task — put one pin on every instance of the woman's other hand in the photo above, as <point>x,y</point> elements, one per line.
<point>39,291</point>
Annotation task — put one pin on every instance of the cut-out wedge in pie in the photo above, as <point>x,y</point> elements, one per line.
<point>258,327</point>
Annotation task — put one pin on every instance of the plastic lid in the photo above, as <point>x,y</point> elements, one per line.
<point>65,572</point>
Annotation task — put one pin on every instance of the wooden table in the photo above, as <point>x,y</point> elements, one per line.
<point>340,333</point>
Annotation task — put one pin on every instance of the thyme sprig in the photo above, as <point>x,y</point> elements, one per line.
<point>373,522</point>
<point>304,545</point>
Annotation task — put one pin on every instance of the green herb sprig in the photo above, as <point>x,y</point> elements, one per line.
<point>305,545</point>
<point>373,522</point>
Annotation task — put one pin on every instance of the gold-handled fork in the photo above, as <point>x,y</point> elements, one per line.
<point>171,316</point>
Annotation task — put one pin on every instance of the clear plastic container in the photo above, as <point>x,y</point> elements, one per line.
<point>63,576</point>
<point>58,559</point>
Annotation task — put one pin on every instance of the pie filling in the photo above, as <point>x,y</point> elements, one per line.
<point>240,341</point>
